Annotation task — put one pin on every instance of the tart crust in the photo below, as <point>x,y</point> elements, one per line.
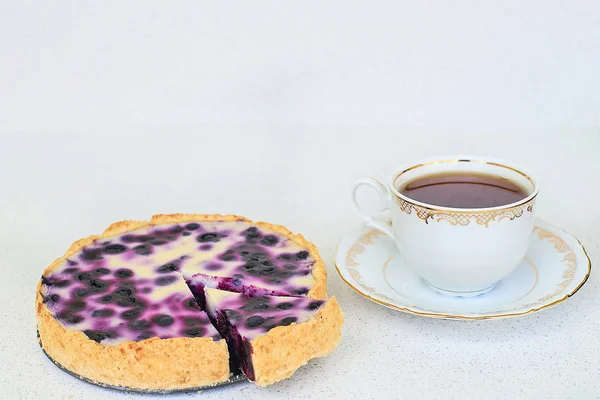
<point>154,363</point>
<point>279,353</point>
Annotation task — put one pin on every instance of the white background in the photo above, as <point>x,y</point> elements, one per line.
<point>120,109</point>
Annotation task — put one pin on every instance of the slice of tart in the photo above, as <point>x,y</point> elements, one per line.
<point>116,308</point>
<point>271,337</point>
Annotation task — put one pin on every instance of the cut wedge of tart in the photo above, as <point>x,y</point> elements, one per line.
<point>271,337</point>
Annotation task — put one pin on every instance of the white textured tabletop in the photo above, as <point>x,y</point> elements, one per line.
<point>112,112</point>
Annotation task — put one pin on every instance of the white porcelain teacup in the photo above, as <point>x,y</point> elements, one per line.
<point>457,251</point>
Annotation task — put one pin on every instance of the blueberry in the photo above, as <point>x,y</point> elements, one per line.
<point>301,292</point>
<point>194,332</point>
<point>192,227</point>
<point>239,276</point>
<point>128,238</point>
<point>102,313</point>
<point>130,314</point>
<point>232,315</point>
<point>106,299</point>
<point>267,271</point>
<point>227,257</point>
<point>145,335</point>
<point>70,318</point>
<point>52,297</point>
<point>61,283</point>
<point>126,301</point>
<point>114,249</point>
<point>314,305</point>
<point>285,306</point>
<point>159,242</point>
<point>186,233</point>
<point>289,267</point>
<point>260,306</point>
<point>214,267</point>
<point>275,281</point>
<point>97,336</point>
<point>192,304</point>
<point>169,267</point>
<point>287,321</point>
<point>208,237</point>
<point>176,229</point>
<point>236,282</point>
<point>165,280</point>
<point>76,305</point>
<point>254,321</point>
<point>143,249</point>
<point>171,238</point>
<point>45,281</point>
<point>97,285</point>
<point>91,255</point>
<point>269,240</point>
<point>81,292</point>
<point>144,238</point>
<point>163,320</point>
<point>84,276</point>
<point>71,262</point>
<point>124,273</point>
<point>258,256</point>
<point>123,292</point>
<point>70,270</point>
<point>302,255</point>
<point>139,325</point>
<point>102,271</point>
<point>285,257</point>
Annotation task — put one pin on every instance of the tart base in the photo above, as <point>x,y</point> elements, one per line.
<point>234,379</point>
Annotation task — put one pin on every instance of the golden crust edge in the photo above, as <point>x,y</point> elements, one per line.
<point>279,353</point>
<point>136,365</point>
<point>53,335</point>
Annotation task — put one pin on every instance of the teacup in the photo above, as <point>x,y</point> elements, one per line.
<point>456,251</point>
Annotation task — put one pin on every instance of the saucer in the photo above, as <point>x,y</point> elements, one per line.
<point>555,267</point>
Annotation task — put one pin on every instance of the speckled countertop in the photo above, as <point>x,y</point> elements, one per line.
<point>57,189</point>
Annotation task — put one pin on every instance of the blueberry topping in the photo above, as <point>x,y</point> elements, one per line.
<point>261,306</point>
<point>106,299</point>
<point>102,271</point>
<point>208,237</point>
<point>70,270</point>
<point>232,315</point>
<point>159,242</point>
<point>91,255</point>
<point>145,335</point>
<point>254,321</point>
<point>61,283</point>
<point>143,249</point>
<point>165,280</point>
<point>52,297</point>
<point>114,249</point>
<point>314,305</point>
<point>170,267</point>
<point>69,318</point>
<point>186,233</point>
<point>126,301</point>
<point>81,292</point>
<point>123,292</point>
<point>171,238</point>
<point>124,273</point>
<point>252,234</point>
<point>302,255</point>
<point>269,240</point>
<point>76,305</point>
<point>139,325</point>
<point>144,238</point>
<point>301,292</point>
<point>128,238</point>
<point>163,320</point>
<point>84,276</point>
<point>97,285</point>
<point>192,227</point>
<point>267,271</point>
<point>97,336</point>
<point>102,313</point>
<point>130,314</point>
<point>176,229</point>
<point>289,267</point>
<point>194,332</point>
<point>227,257</point>
<point>286,257</point>
<point>287,321</point>
<point>192,304</point>
<point>285,306</point>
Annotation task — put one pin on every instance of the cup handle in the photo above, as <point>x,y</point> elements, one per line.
<point>384,201</point>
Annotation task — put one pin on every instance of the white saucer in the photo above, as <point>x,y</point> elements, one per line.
<point>555,267</point>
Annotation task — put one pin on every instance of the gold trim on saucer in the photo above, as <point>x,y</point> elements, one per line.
<point>559,244</point>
